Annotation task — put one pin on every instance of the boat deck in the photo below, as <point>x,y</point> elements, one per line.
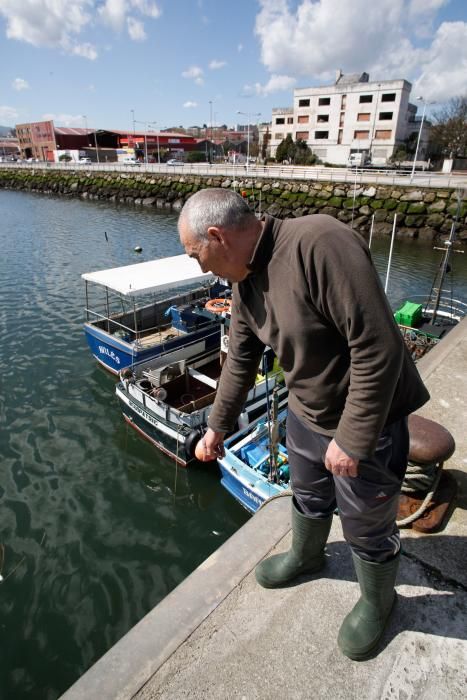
<point>159,337</point>
<point>187,393</point>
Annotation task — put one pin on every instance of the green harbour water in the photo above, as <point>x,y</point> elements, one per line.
<point>96,527</point>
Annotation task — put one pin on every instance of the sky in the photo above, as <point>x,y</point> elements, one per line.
<point>195,62</point>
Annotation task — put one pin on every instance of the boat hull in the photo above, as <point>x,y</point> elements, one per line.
<point>166,437</point>
<point>250,494</point>
<point>115,354</point>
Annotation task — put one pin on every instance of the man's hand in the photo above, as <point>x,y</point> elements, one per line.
<point>338,462</point>
<point>210,447</point>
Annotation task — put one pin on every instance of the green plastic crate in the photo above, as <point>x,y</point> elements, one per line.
<point>409,314</point>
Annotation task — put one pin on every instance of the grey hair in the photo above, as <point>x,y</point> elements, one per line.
<point>214,206</point>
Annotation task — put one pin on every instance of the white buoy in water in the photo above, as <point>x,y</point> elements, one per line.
<point>138,249</point>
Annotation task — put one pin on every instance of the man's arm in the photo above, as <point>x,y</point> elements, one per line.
<point>238,373</point>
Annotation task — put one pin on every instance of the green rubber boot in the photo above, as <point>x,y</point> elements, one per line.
<point>309,536</point>
<point>364,625</point>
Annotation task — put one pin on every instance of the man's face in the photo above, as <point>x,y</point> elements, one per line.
<point>213,256</point>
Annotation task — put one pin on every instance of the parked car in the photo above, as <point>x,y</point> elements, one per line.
<point>174,161</point>
<point>130,160</point>
<point>85,161</point>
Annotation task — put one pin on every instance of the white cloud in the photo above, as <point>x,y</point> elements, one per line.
<point>189,104</point>
<point>65,119</point>
<point>215,65</point>
<point>194,73</point>
<point>20,84</point>
<point>444,68</point>
<point>136,29</point>
<point>8,115</point>
<point>50,23</point>
<point>113,13</point>
<point>240,48</point>
<point>58,23</point>
<point>85,51</point>
<point>315,37</point>
<point>147,8</point>
<point>276,83</point>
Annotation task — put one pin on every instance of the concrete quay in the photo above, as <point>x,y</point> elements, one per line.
<point>220,635</point>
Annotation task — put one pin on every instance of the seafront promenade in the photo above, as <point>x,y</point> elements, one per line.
<point>219,635</point>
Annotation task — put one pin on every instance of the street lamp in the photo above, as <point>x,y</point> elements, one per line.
<point>157,140</point>
<point>210,119</point>
<point>145,139</point>
<point>248,115</point>
<point>420,98</point>
<point>373,127</point>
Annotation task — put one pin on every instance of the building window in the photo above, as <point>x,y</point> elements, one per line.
<point>304,103</point>
<point>361,134</point>
<point>343,101</point>
<point>363,117</point>
<point>339,136</point>
<point>388,97</point>
<point>383,133</point>
<point>278,137</point>
<point>321,134</point>
<point>302,135</point>
<point>280,120</point>
<point>289,120</point>
<point>385,116</point>
<point>366,98</point>
<point>303,119</point>
<point>322,118</point>
<point>341,119</point>
<point>324,101</point>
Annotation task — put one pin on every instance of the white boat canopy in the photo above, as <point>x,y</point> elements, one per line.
<point>151,276</point>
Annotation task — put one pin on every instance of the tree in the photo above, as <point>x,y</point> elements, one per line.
<point>298,153</point>
<point>448,135</point>
<point>65,158</point>
<point>195,157</point>
<point>303,154</point>
<point>399,155</point>
<point>286,150</point>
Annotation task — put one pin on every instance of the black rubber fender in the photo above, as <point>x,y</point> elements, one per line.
<point>191,441</point>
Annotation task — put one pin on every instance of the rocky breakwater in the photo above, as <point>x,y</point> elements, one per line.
<point>421,212</point>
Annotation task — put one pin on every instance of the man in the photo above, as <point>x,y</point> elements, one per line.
<point>307,288</point>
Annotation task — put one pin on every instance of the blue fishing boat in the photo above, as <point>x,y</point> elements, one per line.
<point>133,313</point>
<point>255,466</point>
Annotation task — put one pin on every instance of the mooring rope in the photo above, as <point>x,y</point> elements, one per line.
<point>420,478</point>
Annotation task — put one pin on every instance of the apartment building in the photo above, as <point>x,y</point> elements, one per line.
<point>352,115</point>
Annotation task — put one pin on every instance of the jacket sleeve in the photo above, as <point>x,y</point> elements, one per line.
<point>238,373</point>
<point>351,297</point>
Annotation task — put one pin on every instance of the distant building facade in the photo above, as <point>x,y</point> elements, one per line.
<point>42,140</point>
<point>353,115</point>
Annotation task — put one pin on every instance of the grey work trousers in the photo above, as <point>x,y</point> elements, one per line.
<point>367,503</point>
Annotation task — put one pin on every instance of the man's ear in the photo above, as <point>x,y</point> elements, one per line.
<point>216,234</point>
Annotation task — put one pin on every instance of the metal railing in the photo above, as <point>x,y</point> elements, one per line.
<point>252,172</point>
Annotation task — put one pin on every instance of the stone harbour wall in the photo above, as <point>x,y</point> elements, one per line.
<point>422,213</point>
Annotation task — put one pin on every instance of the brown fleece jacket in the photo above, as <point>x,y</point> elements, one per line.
<point>314,296</point>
